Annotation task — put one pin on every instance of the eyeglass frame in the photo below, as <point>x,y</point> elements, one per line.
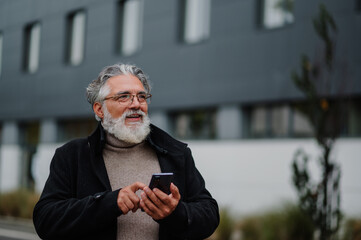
<point>116,97</point>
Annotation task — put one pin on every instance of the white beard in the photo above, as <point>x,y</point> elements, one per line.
<point>136,133</point>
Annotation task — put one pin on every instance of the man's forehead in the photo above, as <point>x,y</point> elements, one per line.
<point>125,83</point>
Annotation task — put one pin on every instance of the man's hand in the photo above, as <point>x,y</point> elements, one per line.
<point>127,199</point>
<point>157,204</point>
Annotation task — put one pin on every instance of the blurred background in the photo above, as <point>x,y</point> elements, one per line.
<point>248,84</point>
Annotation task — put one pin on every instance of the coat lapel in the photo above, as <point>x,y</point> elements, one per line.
<point>96,142</point>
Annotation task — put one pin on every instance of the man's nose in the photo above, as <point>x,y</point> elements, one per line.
<point>134,102</point>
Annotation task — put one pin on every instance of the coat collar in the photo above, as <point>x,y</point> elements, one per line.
<point>97,140</point>
<point>162,142</point>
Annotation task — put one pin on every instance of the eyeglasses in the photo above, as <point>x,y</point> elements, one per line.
<point>127,98</point>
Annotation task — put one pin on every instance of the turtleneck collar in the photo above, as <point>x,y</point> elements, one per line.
<point>113,141</point>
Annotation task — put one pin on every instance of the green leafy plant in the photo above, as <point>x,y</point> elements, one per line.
<point>320,200</point>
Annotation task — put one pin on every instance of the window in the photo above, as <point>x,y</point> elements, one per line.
<point>196,20</point>
<point>275,121</point>
<point>75,128</point>
<point>289,120</point>
<point>75,37</point>
<point>1,50</point>
<point>196,124</point>
<point>301,124</point>
<point>129,26</point>
<point>280,120</point>
<point>32,47</point>
<point>277,13</point>
<point>258,121</point>
<point>269,121</point>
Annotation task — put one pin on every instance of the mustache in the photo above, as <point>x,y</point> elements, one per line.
<point>131,112</point>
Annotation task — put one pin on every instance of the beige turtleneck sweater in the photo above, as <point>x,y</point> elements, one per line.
<point>126,164</point>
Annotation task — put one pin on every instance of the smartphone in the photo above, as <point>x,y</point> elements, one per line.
<point>161,181</point>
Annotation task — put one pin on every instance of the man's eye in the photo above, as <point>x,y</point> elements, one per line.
<point>123,97</point>
<point>141,96</point>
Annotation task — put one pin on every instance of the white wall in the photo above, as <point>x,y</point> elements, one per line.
<point>10,168</point>
<point>253,175</point>
<point>41,164</point>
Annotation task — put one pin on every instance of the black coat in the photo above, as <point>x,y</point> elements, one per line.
<point>77,201</point>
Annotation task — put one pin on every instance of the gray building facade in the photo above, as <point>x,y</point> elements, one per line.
<point>220,69</point>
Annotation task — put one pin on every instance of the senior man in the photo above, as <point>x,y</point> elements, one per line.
<point>97,186</point>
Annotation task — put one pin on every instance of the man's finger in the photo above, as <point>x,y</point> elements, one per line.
<point>163,197</point>
<point>136,186</point>
<point>123,207</point>
<point>146,209</point>
<point>153,197</point>
<point>175,191</point>
<point>147,204</point>
<point>128,203</point>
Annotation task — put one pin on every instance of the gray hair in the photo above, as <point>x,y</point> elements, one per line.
<point>97,89</point>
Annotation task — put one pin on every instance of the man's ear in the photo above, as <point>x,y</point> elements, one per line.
<point>97,107</point>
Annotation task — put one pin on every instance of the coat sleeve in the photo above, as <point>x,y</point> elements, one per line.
<point>197,214</point>
<point>59,214</point>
